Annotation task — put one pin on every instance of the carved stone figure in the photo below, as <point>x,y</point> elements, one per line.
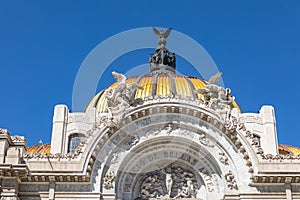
<point>169,183</point>
<point>123,94</point>
<point>162,58</point>
<point>215,78</point>
<point>162,35</point>
<point>118,99</point>
<point>216,97</point>
<point>152,186</point>
<point>186,191</point>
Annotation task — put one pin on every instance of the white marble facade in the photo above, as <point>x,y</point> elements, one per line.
<point>163,147</point>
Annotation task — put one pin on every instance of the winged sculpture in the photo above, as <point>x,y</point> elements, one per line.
<point>119,77</point>
<point>122,94</point>
<point>162,35</point>
<point>211,90</point>
<point>215,78</point>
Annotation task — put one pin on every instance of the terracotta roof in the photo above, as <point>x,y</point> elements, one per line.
<point>39,149</point>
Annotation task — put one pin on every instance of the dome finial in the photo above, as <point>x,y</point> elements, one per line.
<point>162,36</point>
<point>162,61</point>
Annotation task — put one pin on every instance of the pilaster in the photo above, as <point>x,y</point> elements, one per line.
<point>4,143</point>
<point>59,129</point>
<point>269,142</point>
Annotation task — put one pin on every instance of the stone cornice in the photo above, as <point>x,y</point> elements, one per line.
<point>8,170</point>
<point>275,179</point>
<point>56,178</point>
<point>4,131</point>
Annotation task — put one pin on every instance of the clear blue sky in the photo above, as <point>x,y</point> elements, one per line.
<point>43,43</point>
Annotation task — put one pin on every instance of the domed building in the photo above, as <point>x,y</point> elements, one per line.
<point>157,136</point>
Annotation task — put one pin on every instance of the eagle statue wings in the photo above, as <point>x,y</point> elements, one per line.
<point>162,35</point>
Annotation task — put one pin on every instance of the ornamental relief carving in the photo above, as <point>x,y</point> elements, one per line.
<point>169,182</point>
<point>109,180</point>
<point>204,141</point>
<point>153,181</point>
<point>115,158</point>
<point>232,124</point>
<point>230,181</point>
<point>216,97</point>
<point>18,138</point>
<point>133,140</point>
<point>4,131</point>
<point>223,158</point>
<point>119,99</point>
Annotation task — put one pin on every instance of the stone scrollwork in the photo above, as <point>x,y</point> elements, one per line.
<point>231,123</point>
<point>108,180</point>
<point>171,182</point>
<point>203,140</point>
<point>223,158</point>
<point>230,181</point>
<point>18,138</point>
<point>115,158</point>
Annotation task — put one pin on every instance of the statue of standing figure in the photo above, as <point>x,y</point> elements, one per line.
<point>169,183</point>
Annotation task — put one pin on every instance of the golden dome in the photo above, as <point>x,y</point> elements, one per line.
<point>157,84</point>
<point>162,80</point>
